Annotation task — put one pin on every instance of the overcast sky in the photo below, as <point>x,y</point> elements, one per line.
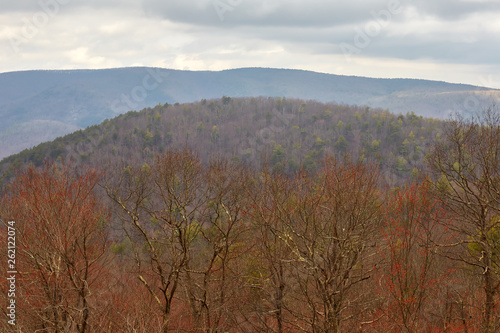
<point>449,40</point>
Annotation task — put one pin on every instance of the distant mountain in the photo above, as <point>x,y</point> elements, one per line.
<point>37,106</point>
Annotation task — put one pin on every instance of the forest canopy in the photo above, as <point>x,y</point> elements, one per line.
<point>184,232</point>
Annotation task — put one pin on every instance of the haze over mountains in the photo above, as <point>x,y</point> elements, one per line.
<point>37,106</point>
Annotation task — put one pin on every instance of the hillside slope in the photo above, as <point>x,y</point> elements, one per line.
<point>59,102</point>
<point>285,134</point>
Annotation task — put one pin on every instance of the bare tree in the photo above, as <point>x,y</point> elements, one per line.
<point>160,209</point>
<point>212,279</point>
<point>467,163</point>
<point>326,223</point>
<point>409,275</point>
<point>269,276</point>
<point>62,241</point>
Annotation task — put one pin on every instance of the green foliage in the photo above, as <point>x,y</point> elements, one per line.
<point>145,168</point>
<point>414,173</point>
<point>157,116</point>
<point>404,149</point>
<point>375,146</point>
<point>57,152</point>
<point>394,131</point>
<point>127,172</point>
<point>192,231</point>
<point>443,185</point>
<point>318,143</point>
<point>226,100</point>
<point>341,144</point>
<point>277,157</point>
<point>215,134</point>
<point>148,138</point>
<point>311,161</point>
<point>357,116</point>
<point>401,164</point>
<point>489,241</point>
<point>121,247</point>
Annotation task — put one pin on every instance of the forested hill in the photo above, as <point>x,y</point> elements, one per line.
<point>37,106</point>
<point>287,134</point>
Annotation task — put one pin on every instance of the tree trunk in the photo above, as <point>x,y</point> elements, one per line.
<point>489,289</point>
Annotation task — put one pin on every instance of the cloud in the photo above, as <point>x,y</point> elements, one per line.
<point>33,6</point>
<point>453,10</point>
<point>228,13</point>
<point>312,13</point>
<point>221,34</point>
<point>416,30</point>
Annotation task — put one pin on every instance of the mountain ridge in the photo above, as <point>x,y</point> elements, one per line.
<point>79,98</point>
<point>284,134</point>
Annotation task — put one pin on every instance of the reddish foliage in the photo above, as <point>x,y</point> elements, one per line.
<point>61,242</point>
<point>410,278</point>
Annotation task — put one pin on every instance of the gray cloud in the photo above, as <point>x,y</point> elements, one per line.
<point>228,13</point>
<point>331,23</point>
<point>454,10</point>
<point>304,13</point>
<point>217,34</point>
<point>32,6</point>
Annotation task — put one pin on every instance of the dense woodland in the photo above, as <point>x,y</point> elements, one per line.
<point>281,133</point>
<point>259,215</point>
